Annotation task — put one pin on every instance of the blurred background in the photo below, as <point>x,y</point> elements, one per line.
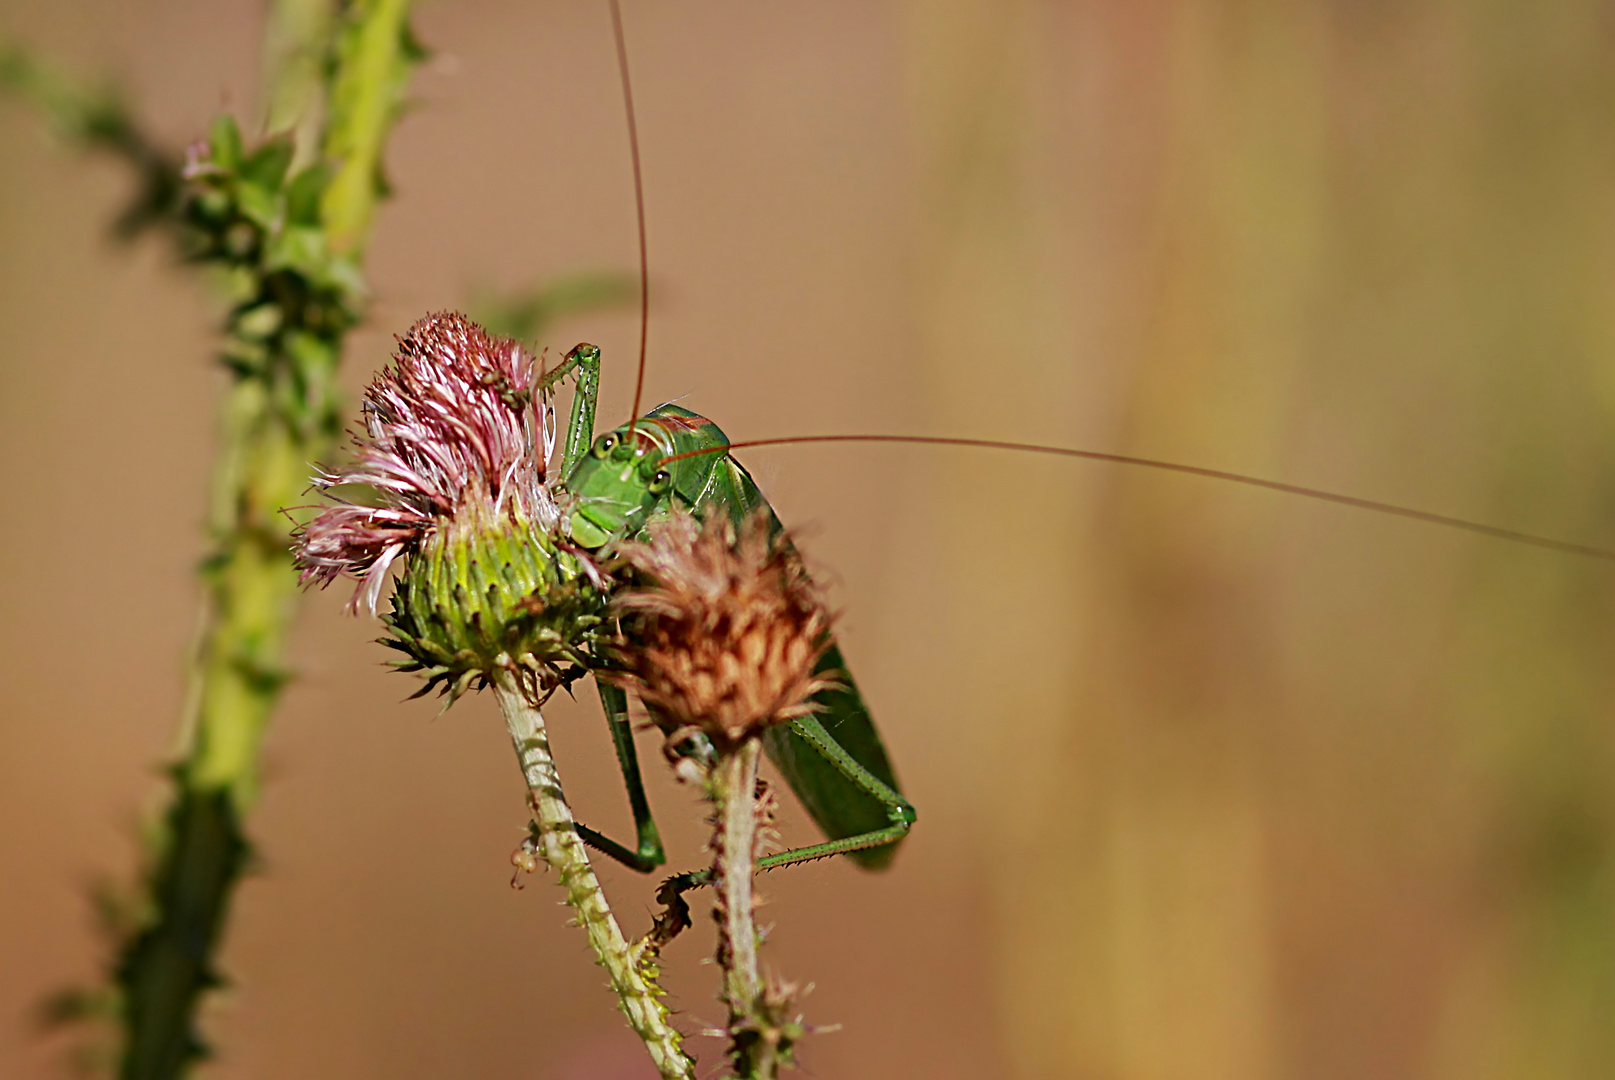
<point>1212,783</point>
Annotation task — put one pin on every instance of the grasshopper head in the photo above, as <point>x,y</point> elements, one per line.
<point>616,485</point>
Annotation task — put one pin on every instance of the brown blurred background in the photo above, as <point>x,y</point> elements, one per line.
<point>1213,783</point>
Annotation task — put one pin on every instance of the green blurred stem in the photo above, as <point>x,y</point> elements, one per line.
<point>276,420</point>
<point>295,55</point>
<point>376,58</point>
<point>263,466</point>
<point>563,850</point>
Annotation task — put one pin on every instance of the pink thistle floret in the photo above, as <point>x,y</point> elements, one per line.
<point>454,426</point>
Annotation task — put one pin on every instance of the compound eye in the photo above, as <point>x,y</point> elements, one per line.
<point>602,445</point>
<point>659,483</point>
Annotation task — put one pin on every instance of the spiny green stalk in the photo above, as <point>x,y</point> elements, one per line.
<point>373,60</point>
<point>290,245</point>
<point>563,850</point>
<point>296,56</point>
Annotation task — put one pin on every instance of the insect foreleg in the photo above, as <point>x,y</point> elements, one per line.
<point>649,854</point>
<point>583,363</point>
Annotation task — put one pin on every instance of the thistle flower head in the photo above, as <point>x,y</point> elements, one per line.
<point>726,634</point>
<point>454,446</point>
<point>454,424</point>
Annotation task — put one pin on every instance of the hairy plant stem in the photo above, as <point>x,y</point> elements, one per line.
<point>281,413</point>
<point>755,1047</point>
<point>563,850</point>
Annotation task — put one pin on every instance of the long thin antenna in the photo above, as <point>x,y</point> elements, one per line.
<point>1511,535</point>
<point>639,204</point>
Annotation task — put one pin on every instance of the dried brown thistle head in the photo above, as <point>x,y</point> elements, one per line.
<point>725,634</point>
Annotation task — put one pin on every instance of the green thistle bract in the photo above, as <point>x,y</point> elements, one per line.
<point>479,597</point>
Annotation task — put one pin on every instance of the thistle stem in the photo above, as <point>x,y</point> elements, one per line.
<point>734,790</point>
<point>755,1046</point>
<point>563,850</point>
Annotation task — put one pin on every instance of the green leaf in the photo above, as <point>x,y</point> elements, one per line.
<point>211,206</point>
<point>344,274</point>
<point>298,248</point>
<point>258,323</point>
<point>303,194</point>
<point>311,353</point>
<point>411,48</point>
<point>246,358</point>
<point>225,143</point>
<point>268,164</point>
<point>259,205</point>
<point>237,285</point>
